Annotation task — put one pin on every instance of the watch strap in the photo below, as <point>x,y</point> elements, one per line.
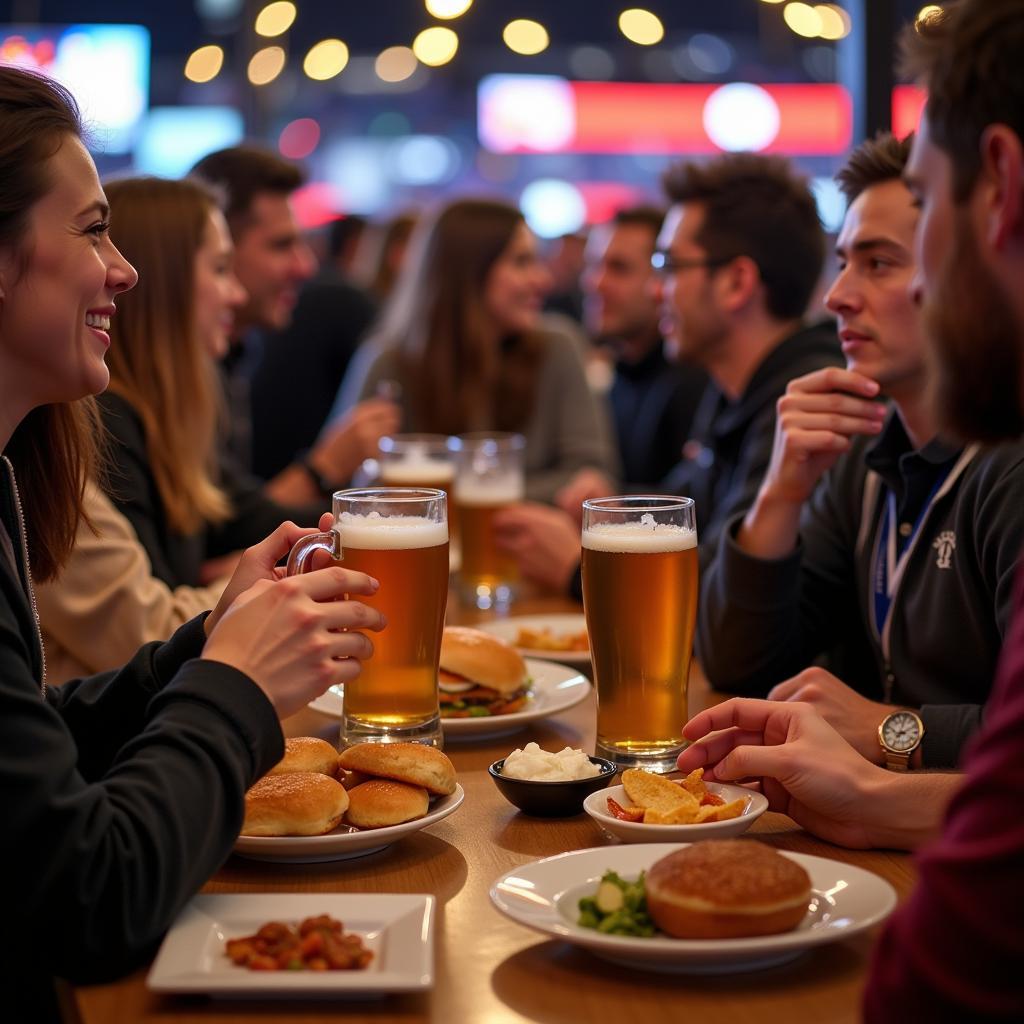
<point>320,482</point>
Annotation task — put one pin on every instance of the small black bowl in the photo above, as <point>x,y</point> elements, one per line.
<point>552,799</point>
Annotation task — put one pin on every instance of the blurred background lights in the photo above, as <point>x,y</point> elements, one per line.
<point>447,9</point>
<point>710,53</point>
<point>423,160</point>
<point>926,12</point>
<point>275,19</point>
<point>835,22</point>
<point>395,64</point>
<point>266,64</point>
<point>204,64</point>
<point>172,139</point>
<point>830,201</point>
<point>299,138</point>
<point>591,62</point>
<point>741,116</point>
<point>435,46</point>
<point>218,9</point>
<point>803,19</point>
<point>525,37</point>
<point>553,207</point>
<point>532,111</point>
<point>641,27</point>
<point>325,59</point>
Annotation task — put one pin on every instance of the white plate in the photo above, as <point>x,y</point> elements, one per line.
<point>342,845</point>
<point>596,805</point>
<point>543,895</point>
<point>398,928</point>
<point>556,688</point>
<point>508,630</point>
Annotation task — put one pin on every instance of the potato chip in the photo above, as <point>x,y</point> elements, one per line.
<point>694,783</point>
<point>654,792</point>
<point>722,813</point>
<point>684,815</point>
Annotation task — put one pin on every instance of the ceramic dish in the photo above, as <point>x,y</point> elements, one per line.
<point>551,799</point>
<point>398,928</point>
<point>341,845</point>
<point>544,894</point>
<point>508,630</point>
<point>556,688</point>
<point>596,805</point>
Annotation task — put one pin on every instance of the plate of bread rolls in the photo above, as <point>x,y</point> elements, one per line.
<point>319,805</point>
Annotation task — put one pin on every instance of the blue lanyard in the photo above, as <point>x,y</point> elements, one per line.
<point>891,553</point>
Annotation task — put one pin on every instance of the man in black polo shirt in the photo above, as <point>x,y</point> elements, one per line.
<point>899,565</point>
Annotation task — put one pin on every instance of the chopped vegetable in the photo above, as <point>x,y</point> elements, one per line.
<point>618,907</point>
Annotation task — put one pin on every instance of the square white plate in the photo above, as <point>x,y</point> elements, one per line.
<point>399,928</point>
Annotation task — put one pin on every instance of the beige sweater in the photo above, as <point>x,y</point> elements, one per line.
<point>106,603</point>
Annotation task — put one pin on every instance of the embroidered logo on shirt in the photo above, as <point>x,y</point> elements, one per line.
<point>945,545</point>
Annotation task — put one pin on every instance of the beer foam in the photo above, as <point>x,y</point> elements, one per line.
<point>645,537</point>
<point>412,471</point>
<point>379,533</point>
<point>499,490</point>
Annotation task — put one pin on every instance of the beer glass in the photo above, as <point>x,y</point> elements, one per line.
<point>420,460</point>
<point>640,602</point>
<point>488,477</point>
<point>400,537</point>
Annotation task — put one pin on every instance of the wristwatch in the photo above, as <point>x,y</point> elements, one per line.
<point>321,483</point>
<point>900,735</point>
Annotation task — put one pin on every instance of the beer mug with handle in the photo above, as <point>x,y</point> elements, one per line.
<point>640,602</point>
<point>400,537</point>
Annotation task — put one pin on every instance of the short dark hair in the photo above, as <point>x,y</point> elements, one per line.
<point>757,206</point>
<point>241,173</point>
<point>651,217</point>
<point>968,57</point>
<point>881,158</point>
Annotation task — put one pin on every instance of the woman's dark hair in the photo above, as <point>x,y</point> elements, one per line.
<point>54,449</point>
<point>459,379</point>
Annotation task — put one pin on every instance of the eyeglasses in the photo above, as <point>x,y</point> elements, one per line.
<point>665,263</point>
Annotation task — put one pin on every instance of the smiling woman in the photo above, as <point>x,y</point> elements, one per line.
<point>130,782</point>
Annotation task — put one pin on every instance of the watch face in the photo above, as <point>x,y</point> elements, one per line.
<point>901,731</point>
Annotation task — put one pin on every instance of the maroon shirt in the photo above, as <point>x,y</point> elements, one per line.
<point>955,950</point>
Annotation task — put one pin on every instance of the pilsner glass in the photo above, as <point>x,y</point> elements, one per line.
<point>489,477</point>
<point>400,537</point>
<point>421,461</point>
<point>640,601</point>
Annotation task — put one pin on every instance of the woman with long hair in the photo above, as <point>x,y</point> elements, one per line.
<point>464,337</point>
<point>121,793</point>
<point>182,495</point>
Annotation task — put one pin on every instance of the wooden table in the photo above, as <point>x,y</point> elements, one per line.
<point>491,970</point>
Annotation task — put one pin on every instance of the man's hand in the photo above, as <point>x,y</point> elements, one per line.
<point>544,541</point>
<point>587,483</point>
<point>808,771</point>
<point>854,717</point>
<point>340,451</point>
<point>814,423</point>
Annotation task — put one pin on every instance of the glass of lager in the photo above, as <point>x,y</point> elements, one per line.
<point>400,537</point>
<point>420,460</point>
<point>488,477</point>
<point>640,601</point>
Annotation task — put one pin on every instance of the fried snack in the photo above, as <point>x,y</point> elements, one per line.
<point>661,801</point>
<point>383,802</point>
<point>317,944</point>
<point>294,804</point>
<point>546,640</point>
<point>307,754</point>
<point>412,763</point>
<point>726,888</point>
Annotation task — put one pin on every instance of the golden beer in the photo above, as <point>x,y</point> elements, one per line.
<point>421,473</point>
<point>640,600</point>
<point>397,687</point>
<point>484,565</point>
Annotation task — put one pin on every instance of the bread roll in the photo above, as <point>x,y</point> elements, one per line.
<point>382,802</point>
<point>413,763</point>
<point>307,754</point>
<point>482,658</point>
<point>726,889</point>
<point>294,804</point>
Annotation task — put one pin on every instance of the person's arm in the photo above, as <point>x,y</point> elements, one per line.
<point>371,364</point>
<point>569,427</point>
<point>107,603</point>
<point>808,771</point>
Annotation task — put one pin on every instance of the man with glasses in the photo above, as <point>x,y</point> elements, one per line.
<point>739,255</point>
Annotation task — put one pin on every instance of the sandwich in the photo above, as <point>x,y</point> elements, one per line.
<point>480,675</point>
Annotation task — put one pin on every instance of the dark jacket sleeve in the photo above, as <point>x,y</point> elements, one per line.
<point>131,487</point>
<point>106,857</point>
<point>763,620</point>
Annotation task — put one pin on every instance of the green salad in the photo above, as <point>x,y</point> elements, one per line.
<point>617,908</point>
